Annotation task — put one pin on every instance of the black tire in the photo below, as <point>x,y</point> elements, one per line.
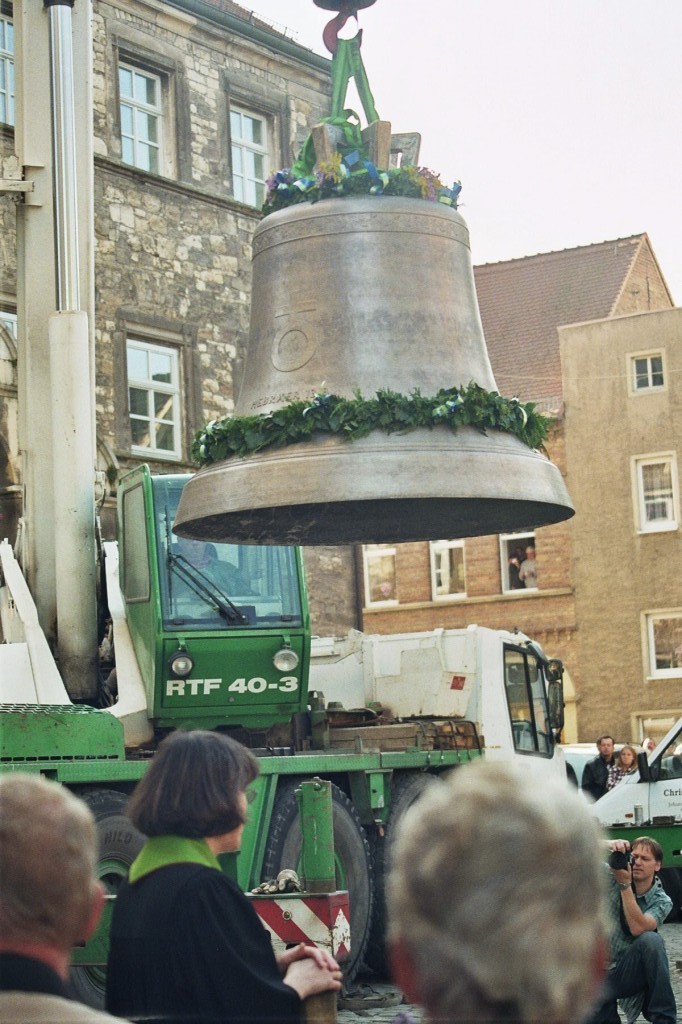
<point>671,880</point>
<point>119,844</point>
<point>353,861</point>
<point>406,788</point>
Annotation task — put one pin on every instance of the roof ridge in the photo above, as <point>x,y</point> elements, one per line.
<point>560,252</point>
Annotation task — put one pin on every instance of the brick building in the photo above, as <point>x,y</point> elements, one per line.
<point>451,583</point>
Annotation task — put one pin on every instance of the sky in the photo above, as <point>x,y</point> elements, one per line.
<point>562,120</point>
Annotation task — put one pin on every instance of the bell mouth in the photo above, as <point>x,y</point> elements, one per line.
<point>425,485</point>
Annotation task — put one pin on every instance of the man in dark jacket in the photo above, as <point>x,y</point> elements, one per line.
<point>595,773</point>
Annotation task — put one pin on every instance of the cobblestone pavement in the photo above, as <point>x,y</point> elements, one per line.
<point>355,1009</point>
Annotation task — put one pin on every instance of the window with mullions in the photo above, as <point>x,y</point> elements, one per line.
<point>154,398</point>
<point>249,138</point>
<point>140,99</point>
<point>647,372</point>
<point>527,702</point>
<point>6,70</point>
<point>447,569</point>
<point>664,639</point>
<point>656,493</point>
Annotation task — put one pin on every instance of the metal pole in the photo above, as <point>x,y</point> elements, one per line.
<point>71,383</point>
<point>64,154</point>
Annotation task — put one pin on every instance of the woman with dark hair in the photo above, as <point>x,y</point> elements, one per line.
<point>186,945</point>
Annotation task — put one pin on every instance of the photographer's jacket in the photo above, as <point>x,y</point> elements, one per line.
<point>655,902</point>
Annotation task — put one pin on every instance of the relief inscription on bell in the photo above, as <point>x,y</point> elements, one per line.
<point>292,349</point>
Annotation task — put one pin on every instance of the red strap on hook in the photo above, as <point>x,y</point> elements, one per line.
<point>330,36</point>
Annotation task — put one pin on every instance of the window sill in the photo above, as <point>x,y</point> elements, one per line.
<point>487,599</point>
<point>671,527</point>
<point>676,678</point>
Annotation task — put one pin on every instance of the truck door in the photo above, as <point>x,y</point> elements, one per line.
<point>665,795</point>
<point>527,703</point>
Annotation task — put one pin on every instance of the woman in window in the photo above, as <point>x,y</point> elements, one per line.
<point>186,944</point>
<point>624,764</point>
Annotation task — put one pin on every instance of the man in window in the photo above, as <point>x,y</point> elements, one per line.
<point>528,571</point>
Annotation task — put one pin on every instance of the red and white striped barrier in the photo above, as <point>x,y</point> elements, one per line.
<point>295,917</point>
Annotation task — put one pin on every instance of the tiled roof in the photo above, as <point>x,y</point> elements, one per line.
<point>523,301</point>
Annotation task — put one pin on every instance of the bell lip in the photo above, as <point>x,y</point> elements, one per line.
<point>330,491</point>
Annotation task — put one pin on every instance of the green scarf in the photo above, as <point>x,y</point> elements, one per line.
<point>160,851</point>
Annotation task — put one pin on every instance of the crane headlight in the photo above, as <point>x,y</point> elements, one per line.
<point>180,664</point>
<point>285,660</point>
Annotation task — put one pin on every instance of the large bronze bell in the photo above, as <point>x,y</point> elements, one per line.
<point>368,293</point>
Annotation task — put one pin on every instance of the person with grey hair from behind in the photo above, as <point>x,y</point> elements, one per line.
<point>50,899</point>
<point>496,899</point>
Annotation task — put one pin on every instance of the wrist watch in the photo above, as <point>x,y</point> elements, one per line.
<point>624,885</point>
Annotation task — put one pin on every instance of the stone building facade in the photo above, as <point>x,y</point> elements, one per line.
<point>194,104</point>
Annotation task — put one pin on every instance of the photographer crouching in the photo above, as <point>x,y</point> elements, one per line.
<point>639,971</point>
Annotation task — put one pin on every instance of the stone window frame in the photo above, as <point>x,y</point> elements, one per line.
<point>370,553</point>
<point>437,547</point>
<point>153,111</point>
<point>642,523</point>
<point>276,119</point>
<point>172,395</point>
<point>649,620</point>
<point>507,540</point>
<point>130,47</point>
<point>7,89</point>
<point>245,147</point>
<point>649,388</point>
<point>164,333</point>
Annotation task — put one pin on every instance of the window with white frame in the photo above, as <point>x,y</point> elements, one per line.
<point>664,639</point>
<point>6,70</point>
<point>517,561</point>
<point>379,573</point>
<point>154,398</point>
<point>646,371</point>
<point>141,106</point>
<point>250,159</point>
<point>657,501</point>
<point>447,569</point>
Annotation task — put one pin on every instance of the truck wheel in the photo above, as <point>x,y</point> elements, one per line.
<point>406,788</point>
<point>671,880</point>
<point>353,861</point>
<point>119,844</point>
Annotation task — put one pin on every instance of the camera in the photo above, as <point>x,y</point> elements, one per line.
<point>619,860</point>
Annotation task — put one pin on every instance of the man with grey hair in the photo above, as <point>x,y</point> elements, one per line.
<point>496,899</point>
<point>50,899</point>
